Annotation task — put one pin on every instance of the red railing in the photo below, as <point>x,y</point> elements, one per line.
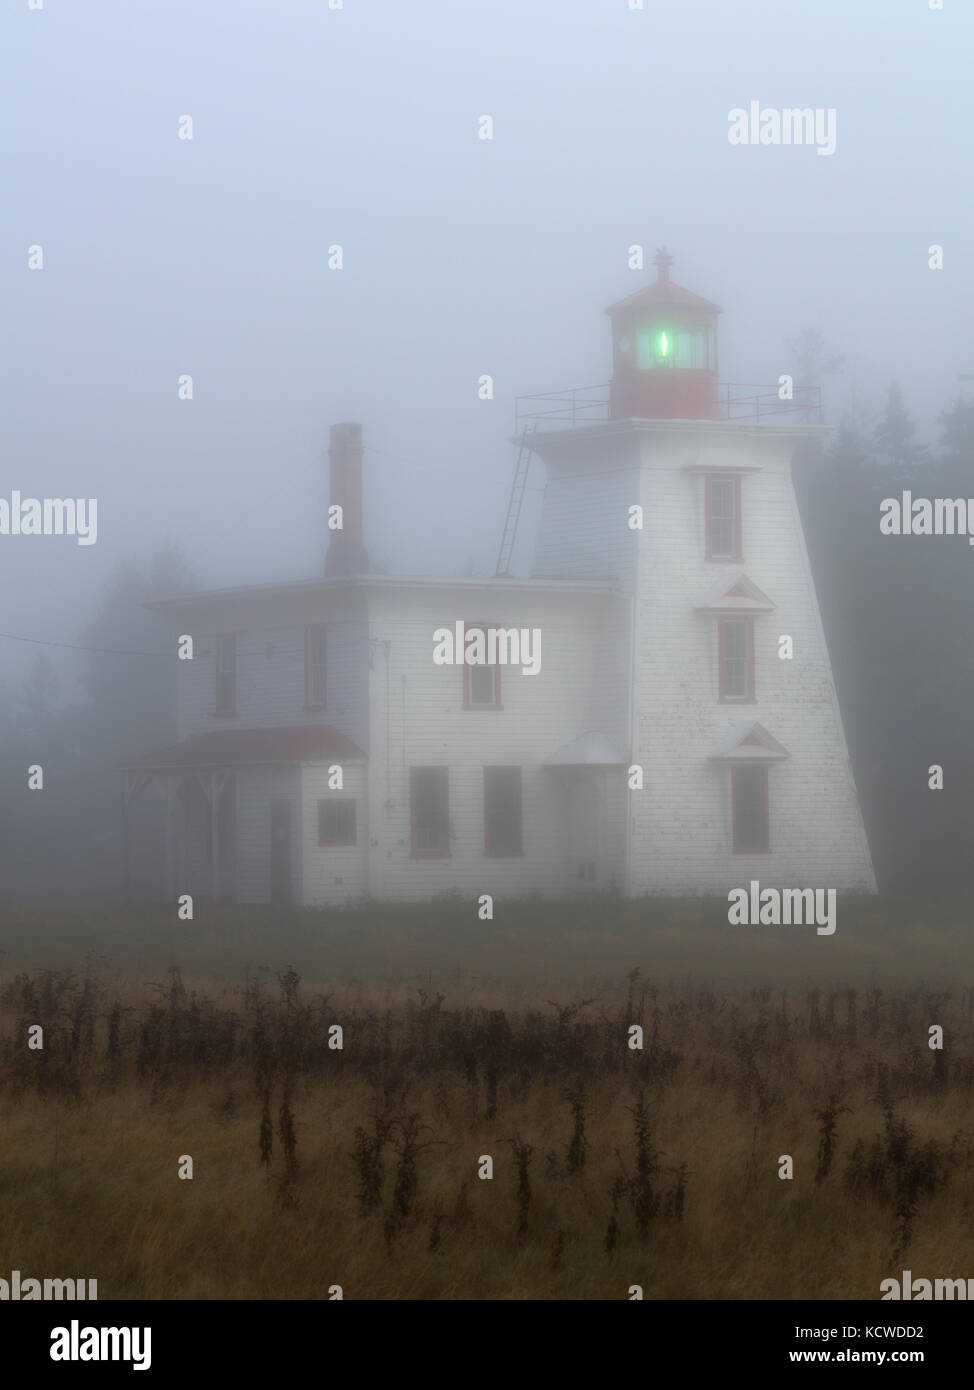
<point>586,405</point>
<point>582,405</point>
<point>762,401</point>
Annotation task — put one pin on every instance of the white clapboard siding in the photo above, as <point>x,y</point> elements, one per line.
<point>682,839</point>
<point>626,655</point>
<point>419,720</point>
<point>270,685</point>
<point>334,874</point>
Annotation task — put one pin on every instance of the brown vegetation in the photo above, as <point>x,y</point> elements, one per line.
<point>358,1166</point>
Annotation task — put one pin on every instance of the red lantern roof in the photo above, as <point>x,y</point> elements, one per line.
<point>663,291</point>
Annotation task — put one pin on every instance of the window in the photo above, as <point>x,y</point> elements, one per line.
<point>226,674</point>
<point>336,821</point>
<point>691,348</point>
<point>735,659</point>
<point>430,802</point>
<point>502,811</point>
<point>682,348</point>
<point>481,684</point>
<point>749,803</point>
<point>723,518</point>
<point>315,667</point>
<point>655,348</point>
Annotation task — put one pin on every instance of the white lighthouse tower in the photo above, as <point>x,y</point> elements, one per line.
<point>680,492</point>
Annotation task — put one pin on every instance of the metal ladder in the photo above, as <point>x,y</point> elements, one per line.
<point>524,452</point>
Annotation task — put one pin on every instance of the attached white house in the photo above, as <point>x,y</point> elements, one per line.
<point>681,734</point>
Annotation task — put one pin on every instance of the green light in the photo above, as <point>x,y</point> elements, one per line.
<point>664,349</point>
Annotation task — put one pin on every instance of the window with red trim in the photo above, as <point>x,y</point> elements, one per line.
<point>750,810</point>
<point>735,660</point>
<point>723,518</point>
<point>482,683</point>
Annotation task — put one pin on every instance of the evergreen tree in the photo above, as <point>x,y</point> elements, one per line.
<point>894,437</point>
<point>129,678</point>
<point>813,360</point>
<point>957,440</point>
<point>130,671</point>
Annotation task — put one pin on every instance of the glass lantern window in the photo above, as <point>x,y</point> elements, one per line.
<point>691,348</point>
<point>667,347</point>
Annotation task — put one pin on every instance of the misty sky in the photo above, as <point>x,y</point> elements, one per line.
<point>462,257</point>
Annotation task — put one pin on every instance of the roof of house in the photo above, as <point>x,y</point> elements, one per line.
<point>299,743</point>
<point>375,581</point>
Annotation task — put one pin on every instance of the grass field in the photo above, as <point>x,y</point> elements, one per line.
<point>612,1166</point>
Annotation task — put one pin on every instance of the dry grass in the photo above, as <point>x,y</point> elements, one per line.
<point>315,1166</point>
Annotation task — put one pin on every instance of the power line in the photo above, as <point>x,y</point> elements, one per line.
<point>79,647</point>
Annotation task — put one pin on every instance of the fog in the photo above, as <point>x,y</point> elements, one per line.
<point>358,127</point>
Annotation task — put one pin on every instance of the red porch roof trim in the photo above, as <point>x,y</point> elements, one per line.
<point>300,743</point>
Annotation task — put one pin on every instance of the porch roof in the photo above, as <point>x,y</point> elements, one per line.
<point>592,749</point>
<point>300,743</point>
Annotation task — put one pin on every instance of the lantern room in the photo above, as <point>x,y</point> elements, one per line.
<point>664,352</point>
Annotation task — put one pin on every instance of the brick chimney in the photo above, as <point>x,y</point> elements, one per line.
<point>346,552</point>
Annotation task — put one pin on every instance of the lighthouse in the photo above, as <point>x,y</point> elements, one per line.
<point>651,711</point>
<point>678,489</point>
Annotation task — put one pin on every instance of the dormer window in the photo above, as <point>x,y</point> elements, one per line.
<point>749,752</point>
<point>723,518</point>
